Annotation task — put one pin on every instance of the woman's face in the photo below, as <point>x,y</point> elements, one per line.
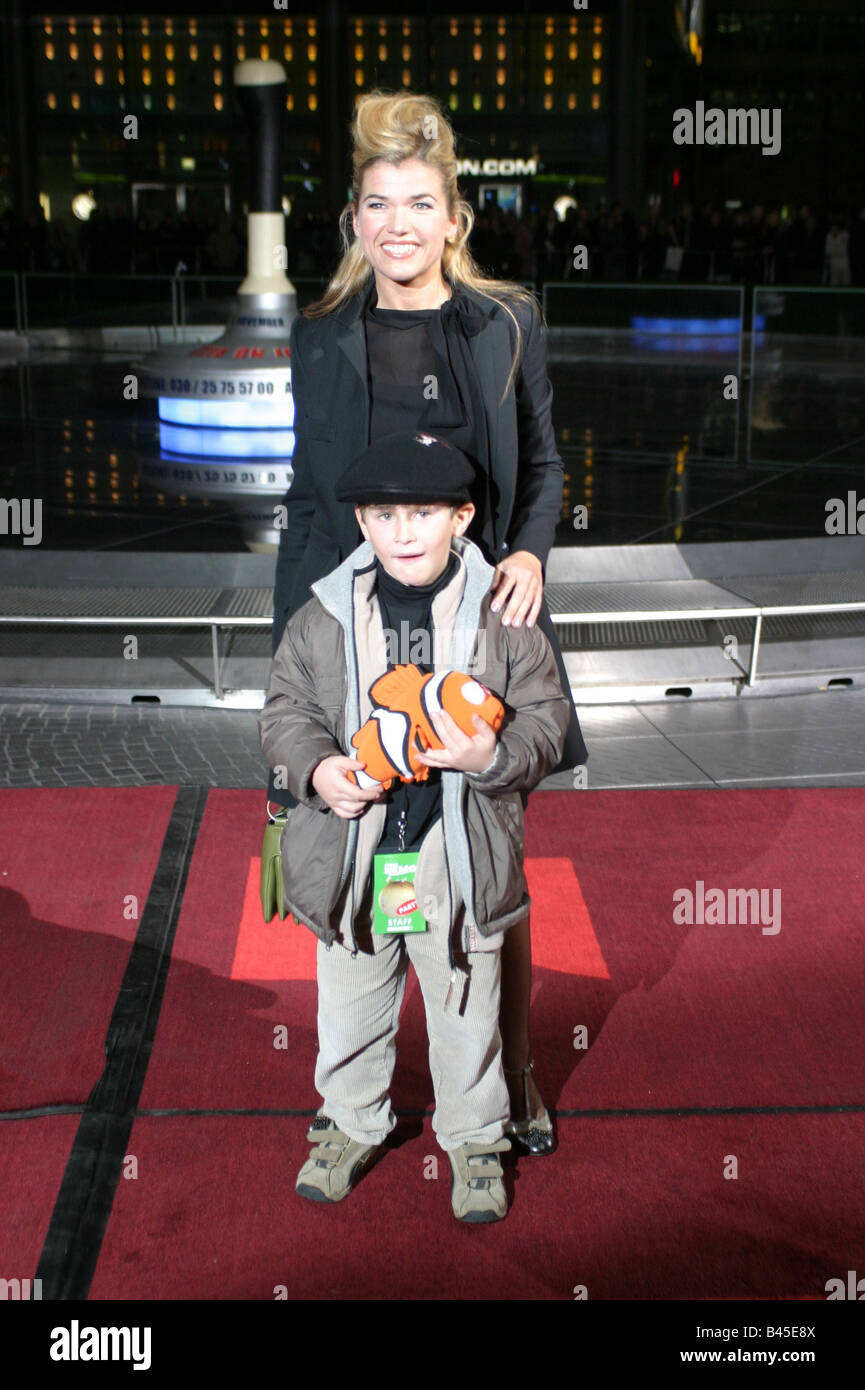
<point>402,222</point>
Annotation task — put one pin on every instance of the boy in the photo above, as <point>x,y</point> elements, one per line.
<point>415,579</point>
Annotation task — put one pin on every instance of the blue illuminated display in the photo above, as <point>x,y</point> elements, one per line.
<point>710,328</point>
<point>220,443</point>
<point>692,335</point>
<point>239,415</point>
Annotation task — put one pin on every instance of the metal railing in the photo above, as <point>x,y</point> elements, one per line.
<point>560,617</point>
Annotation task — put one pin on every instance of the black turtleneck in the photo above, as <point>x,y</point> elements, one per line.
<point>411,604</point>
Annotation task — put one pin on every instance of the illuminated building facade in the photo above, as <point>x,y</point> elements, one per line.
<point>532,93</point>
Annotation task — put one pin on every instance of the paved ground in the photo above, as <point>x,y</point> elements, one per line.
<point>793,740</point>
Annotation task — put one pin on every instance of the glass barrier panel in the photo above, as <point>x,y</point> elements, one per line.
<point>95,301</point>
<point>647,369</point>
<point>807,394</point>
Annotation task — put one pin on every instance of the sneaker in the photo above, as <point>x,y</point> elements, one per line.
<point>335,1164</point>
<point>477,1182</point>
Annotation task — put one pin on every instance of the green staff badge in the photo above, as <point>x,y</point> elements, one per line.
<point>395,905</point>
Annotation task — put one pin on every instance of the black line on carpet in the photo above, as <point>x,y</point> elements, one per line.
<point>68,1260</point>
<point>46,1111</point>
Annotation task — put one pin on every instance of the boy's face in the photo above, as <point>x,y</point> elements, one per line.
<point>412,539</point>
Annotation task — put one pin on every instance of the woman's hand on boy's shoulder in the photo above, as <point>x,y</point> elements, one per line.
<point>461,752</point>
<point>518,584</point>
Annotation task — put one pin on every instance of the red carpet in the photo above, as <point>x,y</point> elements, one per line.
<point>632,1209</point>
<point>76,865</point>
<point>676,1016</point>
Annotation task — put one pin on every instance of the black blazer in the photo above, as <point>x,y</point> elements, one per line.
<point>331,404</point>
<point>331,421</point>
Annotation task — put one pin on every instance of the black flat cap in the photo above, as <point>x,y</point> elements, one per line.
<point>407,467</point>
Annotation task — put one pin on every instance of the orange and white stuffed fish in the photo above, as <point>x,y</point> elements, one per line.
<point>400,726</point>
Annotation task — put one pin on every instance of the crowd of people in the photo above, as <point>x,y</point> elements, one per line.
<point>710,244</point>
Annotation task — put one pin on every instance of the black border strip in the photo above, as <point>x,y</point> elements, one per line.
<point>77,1227</point>
<point>683,1111</point>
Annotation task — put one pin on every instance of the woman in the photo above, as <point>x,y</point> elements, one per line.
<point>410,335</point>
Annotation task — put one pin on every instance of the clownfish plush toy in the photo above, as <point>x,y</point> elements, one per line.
<point>400,726</point>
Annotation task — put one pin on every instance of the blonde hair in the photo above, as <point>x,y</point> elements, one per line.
<point>395,127</point>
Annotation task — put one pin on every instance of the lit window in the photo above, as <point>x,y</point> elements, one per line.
<point>217,52</point>
<point>145,52</point>
<point>572,101</point>
<point>241,52</point>
<point>452,77</point>
<point>478,27</point>
<point>264,51</point>
<point>262,28</point>
<point>52,101</point>
<point>169,76</point>
<point>145,26</point>
<point>596,101</point>
<point>145,76</point>
<point>73,27</point>
<point>573,52</point>
<point>358,77</point>
<point>549,26</point>
<point>98,77</point>
<point>548,77</point>
<point>358,53</point>
<point>502,26</point>
<point>121,77</point>
<point>76,101</point>
<point>548,52</point>
<point>406,77</point>
<point>239,30</point>
<point>286,28</point>
<point>596,51</point>
<point>382,52</point>
<point>501,52</point>
<point>572,27</point>
<point>312,101</point>
<point>406,52</point>
<point>217,77</point>
<point>382,28</point>
<point>311,27</point>
<point>500,101</point>
<point>406,28</point>
<point>169,52</point>
<point>49,51</point>
<point>311,52</point>
<point>169,26</point>
<point>599,24</point>
<point>217,100</point>
<point>73,51</point>
<point>477,52</point>
<point>500,76</point>
<point>596,77</point>
<point>358,26</point>
<point>97,52</point>
<point>193,52</point>
<point>288,52</point>
<point>453,101</point>
<point>289,101</point>
<point>49,28</point>
<point>120,53</point>
<point>193,28</point>
<point>476,101</point>
<point>171,100</point>
<point>454,28</point>
<point>548,101</point>
<point>313,78</point>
